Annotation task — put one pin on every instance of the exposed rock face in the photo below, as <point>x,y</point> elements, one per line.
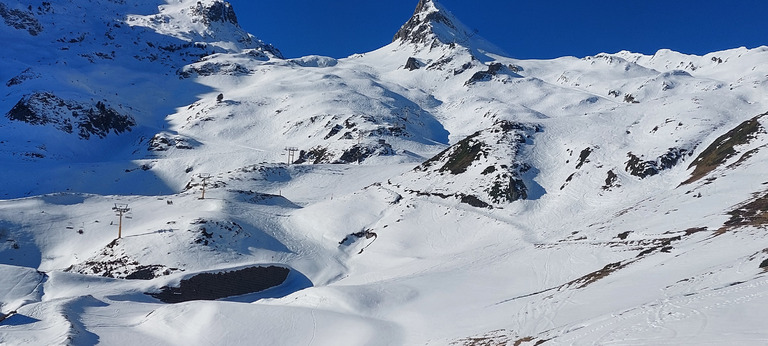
<point>643,169</point>
<point>611,181</point>
<point>723,147</point>
<point>43,108</point>
<point>432,26</point>
<point>315,155</point>
<point>219,11</point>
<point>584,157</point>
<point>21,20</point>
<point>459,156</point>
<point>412,64</point>
<point>165,141</point>
<point>210,68</point>
<point>419,27</point>
<point>484,76</point>
<point>21,77</point>
<point>490,155</point>
<point>359,153</point>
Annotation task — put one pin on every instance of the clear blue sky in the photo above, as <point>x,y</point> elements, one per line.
<point>525,29</point>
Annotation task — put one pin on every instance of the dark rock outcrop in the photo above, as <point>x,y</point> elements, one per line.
<point>459,156</point>
<point>485,76</point>
<point>412,64</point>
<point>491,157</point>
<point>723,148</point>
<point>316,155</point>
<point>360,152</point>
<point>583,157</point>
<point>611,180</point>
<point>643,169</point>
<point>20,20</point>
<point>418,29</point>
<point>219,11</point>
<point>213,68</point>
<point>508,189</point>
<point>21,77</point>
<point>165,141</point>
<point>43,108</point>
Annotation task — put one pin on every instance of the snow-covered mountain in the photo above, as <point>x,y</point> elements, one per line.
<point>433,191</point>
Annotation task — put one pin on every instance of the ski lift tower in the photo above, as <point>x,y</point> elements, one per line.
<point>291,154</point>
<point>204,177</point>
<point>120,209</point>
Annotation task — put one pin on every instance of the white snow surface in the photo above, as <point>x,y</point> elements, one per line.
<point>593,254</point>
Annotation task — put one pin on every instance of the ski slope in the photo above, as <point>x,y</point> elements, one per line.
<point>441,193</point>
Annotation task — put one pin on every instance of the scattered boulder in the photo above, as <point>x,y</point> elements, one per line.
<point>628,98</point>
<point>412,64</point>
<point>611,180</point>
<point>367,234</point>
<point>478,203</point>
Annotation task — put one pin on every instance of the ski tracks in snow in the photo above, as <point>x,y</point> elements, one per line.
<point>670,320</point>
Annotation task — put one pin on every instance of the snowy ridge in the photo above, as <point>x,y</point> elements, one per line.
<point>433,191</point>
<point>210,22</point>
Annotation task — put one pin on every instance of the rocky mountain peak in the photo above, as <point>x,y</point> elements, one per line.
<point>430,24</point>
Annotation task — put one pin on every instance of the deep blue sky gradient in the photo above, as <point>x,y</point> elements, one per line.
<point>525,29</point>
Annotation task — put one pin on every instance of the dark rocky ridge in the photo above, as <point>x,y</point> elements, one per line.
<point>23,76</point>
<point>219,11</point>
<point>501,181</point>
<point>417,30</point>
<point>484,76</point>
<point>723,148</point>
<point>643,169</point>
<point>21,20</point>
<point>42,108</point>
<point>359,152</point>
